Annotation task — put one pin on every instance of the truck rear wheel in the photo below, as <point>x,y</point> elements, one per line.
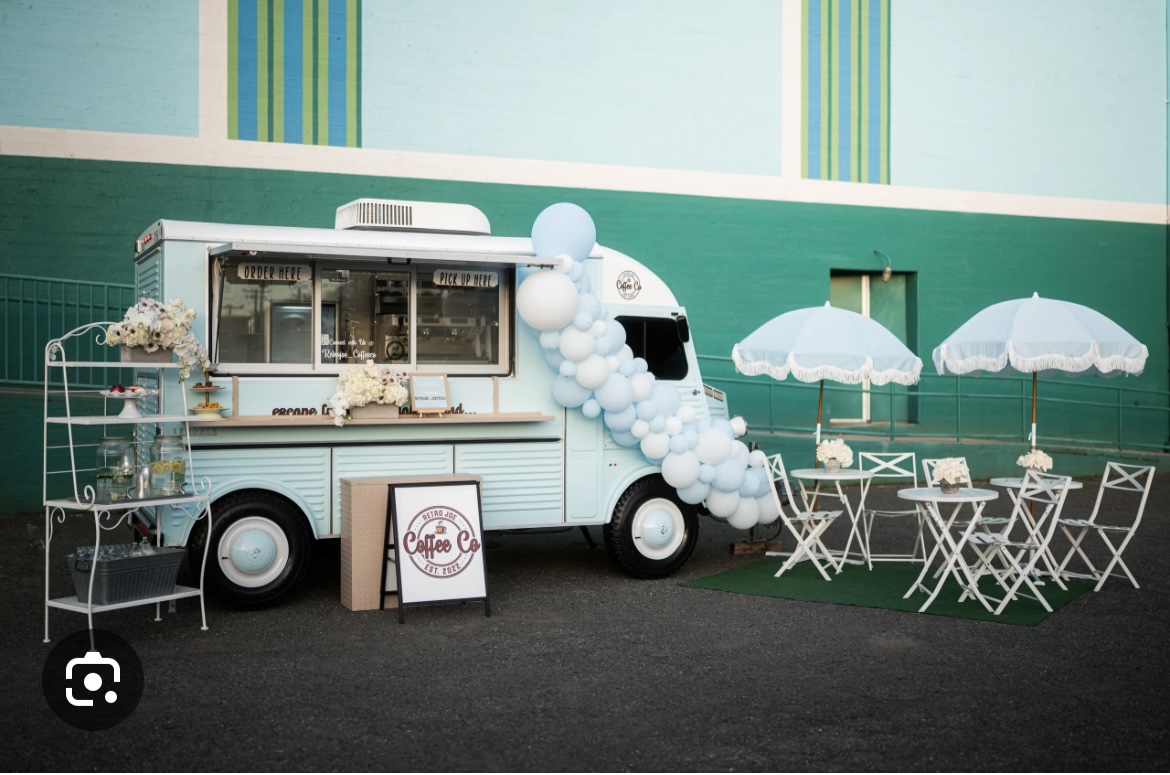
<point>260,548</point>
<point>653,532</point>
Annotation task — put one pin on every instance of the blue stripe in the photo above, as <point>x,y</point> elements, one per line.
<point>874,130</point>
<point>294,82</point>
<point>844,90</point>
<point>337,48</point>
<point>813,75</point>
<point>247,88</point>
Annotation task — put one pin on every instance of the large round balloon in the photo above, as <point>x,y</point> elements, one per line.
<point>547,300</point>
<point>564,228</point>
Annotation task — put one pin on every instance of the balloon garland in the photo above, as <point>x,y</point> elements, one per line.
<point>598,374</point>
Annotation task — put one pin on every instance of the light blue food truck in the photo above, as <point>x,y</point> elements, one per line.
<point>426,288</point>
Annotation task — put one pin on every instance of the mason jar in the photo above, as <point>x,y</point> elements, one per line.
<point>168,465</point>
<point>115,467</point>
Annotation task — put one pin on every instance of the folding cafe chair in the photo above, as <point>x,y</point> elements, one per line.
<point>1121,478</point>
<point>1020,555</point>
<point>896,467</point>
<point>806,526</point>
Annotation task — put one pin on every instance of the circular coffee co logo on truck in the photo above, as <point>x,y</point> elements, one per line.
<point>628,284</point>
<point>440,541</point>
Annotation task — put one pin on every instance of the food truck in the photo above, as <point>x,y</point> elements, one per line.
<point>426,288</point>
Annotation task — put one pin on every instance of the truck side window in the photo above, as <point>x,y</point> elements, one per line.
<point>657,340</point>
<point>266,314</point>
<point>365,315</point>
<point>458,315</point>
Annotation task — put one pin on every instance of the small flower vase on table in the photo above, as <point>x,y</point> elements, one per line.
<point>140,355</point>
<point>832,466</point>
<point>949,488</point>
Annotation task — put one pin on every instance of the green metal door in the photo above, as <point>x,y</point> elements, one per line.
<point>886,303</point>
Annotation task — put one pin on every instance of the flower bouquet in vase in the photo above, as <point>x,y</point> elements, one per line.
<point>369,391</point>
<point>1035,460</point>
<point>835,454</point>
<point>950,472</point>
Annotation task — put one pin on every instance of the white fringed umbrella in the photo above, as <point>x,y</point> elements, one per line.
<point>818,343</point>
<point>1040,336</point>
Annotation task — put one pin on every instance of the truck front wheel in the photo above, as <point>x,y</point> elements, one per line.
<point>260,546</point>
<point>653,532</point>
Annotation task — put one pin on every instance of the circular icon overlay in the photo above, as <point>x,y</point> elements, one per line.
<point>92,680</point>
<point>440,541</point>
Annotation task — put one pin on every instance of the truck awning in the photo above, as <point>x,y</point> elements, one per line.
<point>388,254</point>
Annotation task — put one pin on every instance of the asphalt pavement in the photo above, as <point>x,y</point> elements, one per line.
<point>582,668</point>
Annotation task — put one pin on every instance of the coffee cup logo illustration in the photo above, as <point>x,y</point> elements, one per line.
<point>440,542</point>
<point>628,284</point>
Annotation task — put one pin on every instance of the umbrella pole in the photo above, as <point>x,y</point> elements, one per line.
<point>1033,410</point>
<point>820,401</point>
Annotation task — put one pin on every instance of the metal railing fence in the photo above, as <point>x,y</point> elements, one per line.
<point>1085,412</point>
<point>37,309</point>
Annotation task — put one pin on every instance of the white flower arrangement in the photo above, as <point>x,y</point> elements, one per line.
<point>370,384</point>
<point>154,326</point>
<point>835,449</point>
<point>1036,459</point>
<point>951,470</point>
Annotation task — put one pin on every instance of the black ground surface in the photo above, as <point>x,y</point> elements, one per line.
<point>582,668</point>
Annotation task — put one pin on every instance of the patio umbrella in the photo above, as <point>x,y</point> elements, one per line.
<point>1040,336</point>
<point>818,343</point>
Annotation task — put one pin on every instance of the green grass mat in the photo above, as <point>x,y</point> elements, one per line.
<point>882,587</point>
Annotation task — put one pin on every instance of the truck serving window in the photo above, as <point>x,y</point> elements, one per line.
<point>327,314</point>
<point>658,341</point>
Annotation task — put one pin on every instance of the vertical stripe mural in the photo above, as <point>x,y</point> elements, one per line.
<point>845,99</point>
<point>294,71</point>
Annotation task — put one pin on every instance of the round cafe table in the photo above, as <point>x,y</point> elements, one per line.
<point>838,478</point>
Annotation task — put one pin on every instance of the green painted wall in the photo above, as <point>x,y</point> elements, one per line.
<point>733,263</point>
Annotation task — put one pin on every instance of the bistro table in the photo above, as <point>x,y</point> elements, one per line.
<point>1013,485</point>
<point>932,500</point>
<point>837,478</point>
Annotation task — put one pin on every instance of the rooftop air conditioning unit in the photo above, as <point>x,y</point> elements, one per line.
<point>399,215</point>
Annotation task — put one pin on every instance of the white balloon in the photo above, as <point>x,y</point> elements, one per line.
<point>722,504</point>
<point>625,353</point>
<point>613,362</point>
<point>695,494</point>
<point>714,446</point>
<point>576,345</point>
<point>643,385</point>
<point>768,512</point>
<point>757,459</point>
<point>655,446</point>
<point>680,470</point>
<point>547,300</point>
<point>740,452</point>
<point>599,328</point>
<point>673,425</point>
<point>639,429</point>
<point>746,515</point>
<point>566,264</point>
<point>592,372</point>
<point>686,414</point>
<point>739,426</point>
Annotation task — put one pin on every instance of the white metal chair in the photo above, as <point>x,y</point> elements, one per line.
<point>806,526</point>
<point>1118,477</point>
<point>1019,556</point>
<point>895,467</point>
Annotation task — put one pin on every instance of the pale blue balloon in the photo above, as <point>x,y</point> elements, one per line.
<point>723,425</point>
<point>591,409</point>
<point>751,485</point>
<point>582,321</point>
<point>678,444</point>
<point>647,410</point>
<point>577,272</point>
<point>583,284</point>
<point>616,333</point>
<point>616,394</point>
<point>554,358</point>
<point>550,340</point>
<point>621,421</point>
<point>696,493</point>
<point>729,476</point>
<point>657,424</point>
<point>626,368</point>
<point>624,438</point>
<point>588,302</point>
<point>666,397</point>
<point>568,393</point>
<point>601,346</point>
<point>692,437</point>
<point>640,365</point>
<point>568,368</point>
<point>564,228</point>
<point>707,473</point>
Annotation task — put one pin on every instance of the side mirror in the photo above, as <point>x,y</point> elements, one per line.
<point>684,329</point>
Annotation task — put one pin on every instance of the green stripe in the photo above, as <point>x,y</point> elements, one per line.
<point>263,70</point>
<point>885,117</point>
<point>804,89</point>
<point>233,70</point>
<point>321,54</point>
<point>278,80</point>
